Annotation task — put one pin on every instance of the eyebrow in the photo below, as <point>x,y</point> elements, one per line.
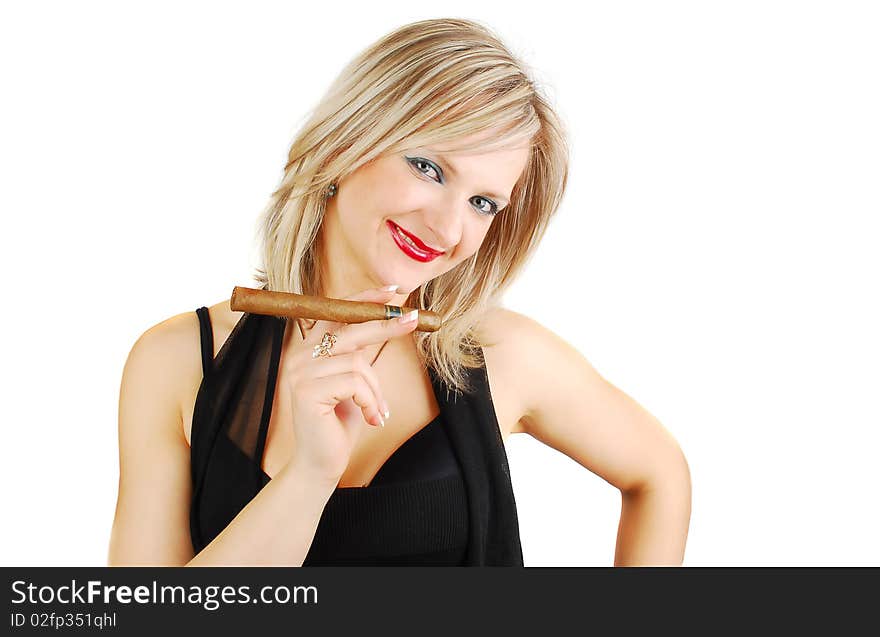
<point>456,174</point>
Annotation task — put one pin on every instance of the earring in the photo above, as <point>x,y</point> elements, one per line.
<point>331,190</point>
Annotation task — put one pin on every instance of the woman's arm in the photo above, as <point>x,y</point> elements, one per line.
<point>276,528</point>
<point>567,405</point>
<point>151,524</point>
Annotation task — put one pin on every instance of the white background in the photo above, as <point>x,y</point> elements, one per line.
<point>715,255</point>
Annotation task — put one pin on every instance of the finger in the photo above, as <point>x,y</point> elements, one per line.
<point>352,361</point>
<point>339,387</point>
<point>355,336</point>
<point>375,295</point>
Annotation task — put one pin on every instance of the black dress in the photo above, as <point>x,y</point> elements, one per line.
<point>443,498</point>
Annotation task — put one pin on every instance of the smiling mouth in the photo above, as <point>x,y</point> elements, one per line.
<point>412,246</point>
<point>414,241</point>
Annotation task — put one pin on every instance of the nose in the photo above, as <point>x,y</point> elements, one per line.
<point>445,222</point>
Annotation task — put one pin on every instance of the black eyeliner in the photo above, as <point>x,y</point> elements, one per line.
<point>439,171</point>
<point>437,168</point>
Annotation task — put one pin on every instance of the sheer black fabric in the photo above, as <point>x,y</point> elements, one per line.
<point>444,497</point>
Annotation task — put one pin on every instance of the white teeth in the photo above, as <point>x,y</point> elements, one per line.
<point>410,242</point>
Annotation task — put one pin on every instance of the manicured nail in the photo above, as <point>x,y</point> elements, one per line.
<point>409,317</point>
<point>389,288</point>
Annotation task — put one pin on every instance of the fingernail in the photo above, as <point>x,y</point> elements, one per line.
<point>389,288</point>
<point>409,317</point>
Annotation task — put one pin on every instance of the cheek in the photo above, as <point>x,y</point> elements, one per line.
<point>471,242</point>
<point>399,191</point>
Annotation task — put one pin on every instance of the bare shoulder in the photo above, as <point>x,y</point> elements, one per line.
<point>569,406</point>
<point>170,353</point>
<point>504,326</point>
<point>503,333</point>
<point>223,320</point>
<point>519,350</point>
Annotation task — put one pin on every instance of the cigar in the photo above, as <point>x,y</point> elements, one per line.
<point>322,308</point>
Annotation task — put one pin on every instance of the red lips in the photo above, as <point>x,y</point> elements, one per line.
<point>420,253</point>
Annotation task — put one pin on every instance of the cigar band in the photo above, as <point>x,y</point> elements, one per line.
<point>392,311</point>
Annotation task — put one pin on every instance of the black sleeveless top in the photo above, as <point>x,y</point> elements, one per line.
<point>433,502</point>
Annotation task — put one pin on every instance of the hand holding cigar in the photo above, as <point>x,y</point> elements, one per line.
<point>256,301</point>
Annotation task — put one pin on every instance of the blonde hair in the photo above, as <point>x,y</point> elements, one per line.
<point>432,81</point>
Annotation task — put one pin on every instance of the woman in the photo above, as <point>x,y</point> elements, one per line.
<point>431,165</point>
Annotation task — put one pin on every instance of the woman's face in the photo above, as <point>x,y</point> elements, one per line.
<point>446,200</point>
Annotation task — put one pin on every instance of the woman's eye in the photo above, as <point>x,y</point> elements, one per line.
<point>493,208</point>
<point>416,162</point>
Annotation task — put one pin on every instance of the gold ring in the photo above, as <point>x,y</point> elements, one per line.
<point>325,346</point>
